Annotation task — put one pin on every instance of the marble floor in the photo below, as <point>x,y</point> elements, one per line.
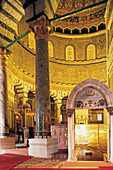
<point>36,162</point>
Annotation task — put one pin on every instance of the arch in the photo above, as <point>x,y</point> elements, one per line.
<point>106,95</point>
<point>101,26</point>
<point>84,31</point>
<point>75,31</point>
<point>92,29</point>
<point>60,30</point>
<point>67,31</point>
<point>94,84</point>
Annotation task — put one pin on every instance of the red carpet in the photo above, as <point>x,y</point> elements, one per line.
<point>100,168</point>
<point>8,161</point>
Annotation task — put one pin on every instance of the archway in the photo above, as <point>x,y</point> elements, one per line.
<point>89,94</point>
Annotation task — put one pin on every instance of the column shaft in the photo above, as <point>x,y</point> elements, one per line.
<point>71,136</point>
<point>42,89</point>
<point>111,155</point>
<point>2,94</point>
<point>108,136</point>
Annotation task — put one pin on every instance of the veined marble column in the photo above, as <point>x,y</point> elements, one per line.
<point>42,145</point>
<point>5,142</point>
<point>2,94</point>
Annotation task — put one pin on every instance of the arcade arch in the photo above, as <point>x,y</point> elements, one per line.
<point>89,94</point>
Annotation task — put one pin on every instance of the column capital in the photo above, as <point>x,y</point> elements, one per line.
<point>69,112</point>
<point>110,109</point>
<point>40,27</point>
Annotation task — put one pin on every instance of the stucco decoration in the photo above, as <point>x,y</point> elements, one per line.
<point>90,93</point>
<point>90,98</point>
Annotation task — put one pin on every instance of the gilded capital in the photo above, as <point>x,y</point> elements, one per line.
<point>69,112</point>
<point>40,27</point>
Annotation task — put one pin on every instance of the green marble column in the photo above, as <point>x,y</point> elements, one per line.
<point>42,78</point>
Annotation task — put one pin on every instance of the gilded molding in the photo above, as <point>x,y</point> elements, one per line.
<point>40,27</point>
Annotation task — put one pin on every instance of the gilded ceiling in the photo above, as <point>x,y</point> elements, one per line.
<point>82,13</point>
<point>67,6</point>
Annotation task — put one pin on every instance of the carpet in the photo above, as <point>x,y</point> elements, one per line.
<point>100,168</point>
<point>8,161</point>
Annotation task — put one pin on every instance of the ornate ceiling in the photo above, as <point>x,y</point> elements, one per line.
<point>67,6</point>
<point>86,13</point>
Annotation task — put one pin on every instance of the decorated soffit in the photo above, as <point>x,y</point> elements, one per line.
<point>91,16</point>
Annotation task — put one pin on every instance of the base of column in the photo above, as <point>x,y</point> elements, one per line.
<point>111,159</point>
<point>71,160</point>
<point>43,148</point>
<point>7,143</point>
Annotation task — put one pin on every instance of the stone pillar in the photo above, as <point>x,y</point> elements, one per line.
<point>42,102</point>
<point>2,93</point>
<point>108,136</point>
<point>42,145</point>
<point>111,156</point>
<point>110,152</point>
<point>5,142</point>
<point>71,138</point>
<point>58,113</point>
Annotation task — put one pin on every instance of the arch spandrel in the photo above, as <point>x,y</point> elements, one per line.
<point>90,93</point>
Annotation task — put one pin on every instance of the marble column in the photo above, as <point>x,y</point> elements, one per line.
<point>2,93</point>
<point>111,155</point>
<point>42,102</point>
<point>43,145</point>
<point>6,142</point>
<point>108,136</point>
<point>110,145</point>
<point>71,138</point>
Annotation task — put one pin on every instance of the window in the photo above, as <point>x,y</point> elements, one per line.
<point>91,52</point>
<point>50,49</point>
<point>99,117</point>
<point>69,53</point>
<point>95,116</point>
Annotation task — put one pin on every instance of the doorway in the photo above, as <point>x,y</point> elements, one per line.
<point>90,134</point>
<point>93,101</point>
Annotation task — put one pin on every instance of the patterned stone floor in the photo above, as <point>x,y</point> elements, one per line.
<point>35,162</point>
<point>53,163</point>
